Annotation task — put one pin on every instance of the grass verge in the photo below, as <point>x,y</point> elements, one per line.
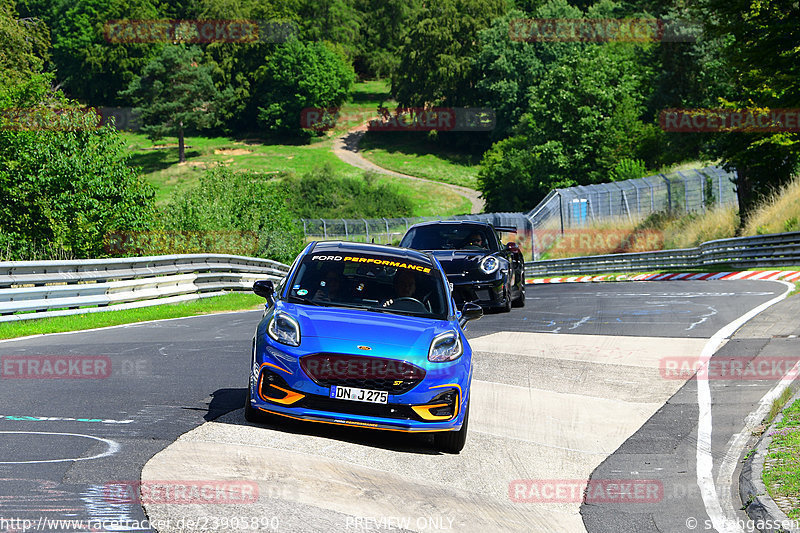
<point>416,155</point>
<point>235,301</point>
<point>782,464</point>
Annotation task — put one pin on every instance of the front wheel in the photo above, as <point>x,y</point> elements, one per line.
<point>256,416</point>
<point>453,441</point>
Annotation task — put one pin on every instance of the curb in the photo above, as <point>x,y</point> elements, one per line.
<point>762,508</point>
<point>767,275</point>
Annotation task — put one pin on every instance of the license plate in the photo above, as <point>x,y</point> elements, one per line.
<point>359,395</point>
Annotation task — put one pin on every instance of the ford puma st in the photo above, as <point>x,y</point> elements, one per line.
<point>364,335</point>
<point>479,267</point>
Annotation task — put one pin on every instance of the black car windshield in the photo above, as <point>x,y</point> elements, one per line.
<point>372,282</point>
<point>449,237</point>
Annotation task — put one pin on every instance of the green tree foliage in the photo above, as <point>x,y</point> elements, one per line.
<point>322,194</point>
<point>64,182</point>
<point>89,67</point>
<point>436,65</point>
<point>762,50</point>
<point>226,201</point>
<point>296,76</point>
<point>175,95</point>
<point>383,30</point>
<point>583,117</point>
<point>24,45</point>
<point>335,22</point>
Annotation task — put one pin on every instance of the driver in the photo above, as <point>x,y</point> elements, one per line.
<point>405,284</point>
<point>475,239</point>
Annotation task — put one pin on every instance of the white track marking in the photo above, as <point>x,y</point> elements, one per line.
<point>113,447</point>
<point>705,461</point>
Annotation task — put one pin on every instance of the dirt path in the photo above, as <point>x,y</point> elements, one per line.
<point>346,149</point>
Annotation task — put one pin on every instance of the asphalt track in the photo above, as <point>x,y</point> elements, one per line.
<point>569,387</point>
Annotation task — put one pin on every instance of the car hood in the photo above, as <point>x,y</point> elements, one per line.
<point>342,329</point>
<point>459,261</point>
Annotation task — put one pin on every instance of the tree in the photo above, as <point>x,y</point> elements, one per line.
<point>299,75</point>
<point>176,95</point>
<point>762,51</point>
<point>436,65</point>
<point>23,45</point>
<point>89,67</point>
<point>64,182</point>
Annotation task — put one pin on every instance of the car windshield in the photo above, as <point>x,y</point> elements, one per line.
<point>449,237</point>
<point>373,282</point>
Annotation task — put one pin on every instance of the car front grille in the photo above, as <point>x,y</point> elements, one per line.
<point>363,372</point>
<point>345,407</point>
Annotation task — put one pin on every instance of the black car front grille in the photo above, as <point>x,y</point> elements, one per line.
<point>323,403</point>
<point>363,372</point>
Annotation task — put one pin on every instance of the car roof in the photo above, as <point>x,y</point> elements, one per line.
<point>392,252</point>
<point>453,223</point>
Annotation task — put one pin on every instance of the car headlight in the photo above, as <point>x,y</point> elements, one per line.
<point>445,347</point>
<point>489,264</point>
<point>284,329</point>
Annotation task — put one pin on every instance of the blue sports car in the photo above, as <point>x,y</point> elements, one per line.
<point>364,335</point>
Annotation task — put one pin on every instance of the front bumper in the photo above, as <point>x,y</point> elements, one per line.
<point>279,385</point>
<point>484,293</point>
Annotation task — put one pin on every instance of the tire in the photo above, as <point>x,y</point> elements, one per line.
<point>452,441</point>
<point>520,300</point>
<point>506,307</point>
<point>256,416</point>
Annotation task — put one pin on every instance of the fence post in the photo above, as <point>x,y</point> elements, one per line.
<point>387,229</point>
<point>366,227</point>
<point>561,210</point>
<point>346,235</point>
<point>669,192</point>
<point>324,228</point>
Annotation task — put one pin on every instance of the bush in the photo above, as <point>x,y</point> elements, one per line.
<point>65,183</point>
<point>322,194</point>
<point>225,209</point>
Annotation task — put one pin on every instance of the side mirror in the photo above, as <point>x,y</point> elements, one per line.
<point>470,311</point>
<point>264,288</point>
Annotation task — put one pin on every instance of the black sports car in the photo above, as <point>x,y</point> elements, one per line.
<point>478,266</point>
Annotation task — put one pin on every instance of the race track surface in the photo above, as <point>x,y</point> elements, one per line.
<point>562,389</point>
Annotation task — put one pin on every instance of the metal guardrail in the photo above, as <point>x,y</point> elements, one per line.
<point>38,289</point>
<point>779,249</point>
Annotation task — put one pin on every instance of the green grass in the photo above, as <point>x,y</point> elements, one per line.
<point>234,301</point>
<point>782,469</point>
<point>416,155</point>
<point>160,167</point>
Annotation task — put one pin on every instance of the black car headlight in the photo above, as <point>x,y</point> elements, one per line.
<point>445,347</point>
<point>489,264</point>
<point>284,329</point>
